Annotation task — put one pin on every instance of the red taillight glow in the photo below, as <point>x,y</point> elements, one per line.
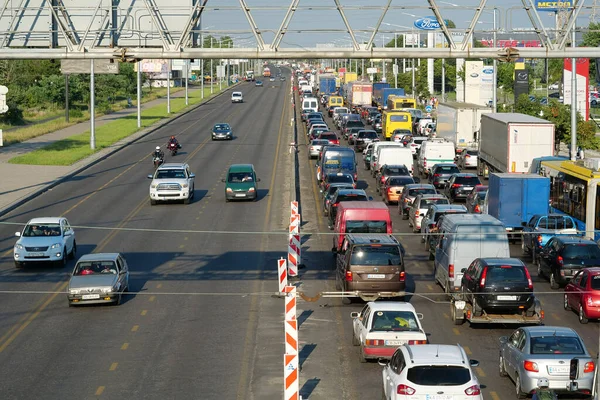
<point>455,185</point>
<point>402,276</point>
<point>389,190</point>
<point>348,276</point>
<point>477,209</point>
<point>560,260</point>
<point>405,390</point>
<point>539,239</point>
<point>529,282</point>
<point>334,205</point>
<point>436,175</point>
<point>473,391</point>
<point>375,342</point>
<point>589,367</point>
<point>417,342</point>
<point>451,271</point>
<point>530,366</point>
<point>483,275</point>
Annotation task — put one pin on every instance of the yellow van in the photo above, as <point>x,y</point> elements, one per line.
<point>335,101</point>
<point>395,119</point>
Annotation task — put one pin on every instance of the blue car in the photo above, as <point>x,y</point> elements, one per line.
<point>258,83</point>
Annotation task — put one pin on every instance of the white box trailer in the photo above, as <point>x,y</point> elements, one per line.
<point>510,141</point>
<point>460,123</point>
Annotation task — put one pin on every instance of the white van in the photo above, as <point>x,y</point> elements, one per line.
<point>374,164</point>
<point>435,151</point>
<point>310,104</point>
<point>237,97</point>
<point>395,155</point>
<point>463,238</point>
<point>306,88</point>
<point>338,111</point>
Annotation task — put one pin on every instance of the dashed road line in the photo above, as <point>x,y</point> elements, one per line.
<point>113,366</point>
<point>144,312</point>
<point>446,316</point>
<point>494,396</point>
<point>456,331</point>
<point>100,390</point>
<point>135,328</point>
<point>151,298</point>
<point>480,372</point>
<point>125,346</point>
<point>555,316</point>
<point>467,350</point>
<point>158,286</point>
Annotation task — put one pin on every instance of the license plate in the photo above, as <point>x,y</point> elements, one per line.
<point>467,188</point>
<point>440,397</point>
<point>240,195</point>
<point>376,276</point>
<point>558,370</point>
<point>36,254</point>
<point>394,342</point>
<point>90,296</point>
<point>506,297</point>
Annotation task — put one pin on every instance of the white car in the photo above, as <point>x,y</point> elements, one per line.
<point>45,240</point>
<point>383,326</point>
<point>171,182</point>
<point>553,86</point>
<point>468,159</point>
<point>415,144</point>
<point>430,371</point>
<point>237,97</point>
<point>420,206</point>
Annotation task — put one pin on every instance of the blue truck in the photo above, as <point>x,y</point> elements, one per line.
<point>327,85</point>
<point>515,198</point>
<point>385,94</point>
<point>378,88</point>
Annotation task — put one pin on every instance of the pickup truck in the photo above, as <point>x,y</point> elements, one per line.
<point>541,228</point>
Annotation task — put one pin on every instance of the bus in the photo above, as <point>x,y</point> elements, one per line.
<point>395,119</point>
<point>574,191</point>
<point>399,102</point>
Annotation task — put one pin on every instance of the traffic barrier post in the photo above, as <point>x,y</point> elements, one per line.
<point>282,274</point>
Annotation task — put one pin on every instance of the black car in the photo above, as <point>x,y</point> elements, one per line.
<point>328,194</point>
<point>460,185</point>
<point>498,286</point>
<point>344,195</point>
<point>330,110</point>
<point>563,256</point>
<point>389,170</point>
<point>372,115</point>
<point>363,138</point>
<point>348,133</point>
<point>337,177</point>
<point>377,124</point>
<point>222,131</point>
<point>440,174</point>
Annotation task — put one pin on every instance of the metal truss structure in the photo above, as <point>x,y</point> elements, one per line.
<point>130,30</point>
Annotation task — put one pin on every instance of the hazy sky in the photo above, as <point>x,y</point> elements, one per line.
<point>361,15</point>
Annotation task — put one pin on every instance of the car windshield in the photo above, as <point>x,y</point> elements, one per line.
<point>556,222</point>
<point>425,203</point>
<point>237,177</point>
<point>376,255</point>
<point>396,171</point>
<point>354,124</point>
<point>581,251</point>
<point>320,142</point>
<point>352,197</point>
<point>170,174</point>
<point>395,321</point>
<point>481,195</point>
<point>415,192</point>
<point>366,227</point>
<point>400,181</point>
<point>472,152</point>
<point>505,273</point>
<point>467,180</point>
<point>221,127</point>
<point>553,344</point>
<point>95,267</point>
<point>340,179</point>
<point>451,169</point>
<point>332,189</point>
<point>41,230</point>
<point>438,375</point>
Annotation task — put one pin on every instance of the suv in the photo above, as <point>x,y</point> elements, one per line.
<point>440,173</point>
<point>563,256</point>
<point>498,286</point>
<point>172,181</point>
<point>460,185</point>
<point>430,369</point>
<point>45,240</point>
<point>237,97</point>
<point>363,138</point>
<point>371,265</point>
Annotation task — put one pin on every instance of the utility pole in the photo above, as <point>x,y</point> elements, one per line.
<point>574,100</point>
<point>92,108</point>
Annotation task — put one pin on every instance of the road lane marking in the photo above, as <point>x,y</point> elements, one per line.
<point>480,372</point>
<point>467,350</point>
<point>456,331</point>
<point>144,312</point>
<point>555,316</point>
<point>430,287</point>
<point>135,328</point>
<point>185,238</point>
<point>181,246</point>
<point>125,346</point>
<point>100,390</point>
<point>113,366</point>
<point>446,316</point>
<point>151,298</point>
<point>494,396</point>
<point>159,285</point>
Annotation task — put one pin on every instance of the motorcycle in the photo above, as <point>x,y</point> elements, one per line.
<point>173,147</point>
<point>157,161</point>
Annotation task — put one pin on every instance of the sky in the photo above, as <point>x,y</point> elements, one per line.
<point>312,23</point>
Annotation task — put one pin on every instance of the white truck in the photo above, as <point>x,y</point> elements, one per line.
<point>510,141</point>
<point>460,123</point>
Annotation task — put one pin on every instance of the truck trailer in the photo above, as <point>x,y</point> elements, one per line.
<point>510,141</point>
<point>460,123</point>
<point>327,84</point>
<point>359,93</point>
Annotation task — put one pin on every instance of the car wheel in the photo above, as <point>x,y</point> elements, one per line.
<point>18,264</point>
<point>361,355</point>
<point>118,301</point>
<point>523,247</point>
<point>553,283</point>
<point>455,318</point>
<point>540,273</point>
<point>355,341</point>
<point>152,202</point>
<point>582,317</point>
<point>520,394</point>
<point>63,261</point>
<point>501,368</point>
<point>566,303</point>
<point>187,200</point>
<point>431,257</point>
<point>73,250</point>
<point>477,310</point>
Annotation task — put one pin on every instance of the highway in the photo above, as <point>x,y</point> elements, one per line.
<point>201,321</point>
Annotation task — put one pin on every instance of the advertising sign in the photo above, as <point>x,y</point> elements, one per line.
<point>486,93</point>
<point>155,68</point>
<point>411,39</point>
<point>372,70</point>
<point>68,67</point>
<point>427,24</point>
<point>553,6</point>
<point>473,81</point>
<point>583,95</point>
<point>521,82</point>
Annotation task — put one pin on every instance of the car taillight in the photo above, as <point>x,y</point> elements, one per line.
<point>402,276</point>
<point>530,366</point>
<point>455,185</point>
<point>405,390</point>
<point>327,186</point>
<point>417,213</point>
<point>589,367</point>
<point>355,178</point>
<point>528,276</point>
<point>451,271</point>
<point>425,162</point>
<point>560,260</point>
<point>413,145</point>
<point>437,175</point>
<point>483,275</point>
<point>334,205</point>
<point>477,209</point>
<point>417,342</point>
<point>312,148</point>
<point>473,391</point>
<point>539,240</point>
<point>348,276</point>
<point>382,178</point>
<point>467,156</point>
<point>375,342</point>
<point>390,190</point>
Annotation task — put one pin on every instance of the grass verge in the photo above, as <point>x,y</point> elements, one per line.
<point>72,149</point>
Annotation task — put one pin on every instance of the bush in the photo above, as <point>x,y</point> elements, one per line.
<point>75,113</point>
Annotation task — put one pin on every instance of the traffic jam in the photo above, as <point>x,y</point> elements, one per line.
<point>379,158</point>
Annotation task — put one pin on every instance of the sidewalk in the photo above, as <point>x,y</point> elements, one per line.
<point>20,183</point>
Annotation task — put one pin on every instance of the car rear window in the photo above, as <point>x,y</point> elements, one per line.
<point>328,136</point>
<point>415,192</point>
<point>394,321</point>
<point>556,222</point>
<point>505,273</point>
<point>376,255</point>
<point>352,197</point>
<point>354,124</point>
<point>447,170</point>
<point>438,375</point>
<point>400,181</point>
<point>367,135</point>
<point>552,344</point>
<point>366,227</point>
<point>396,171</point>
<point>581,251</point>
<point>429,202</point>
<point>340,179</point>
<point>595,282</point>
<point>482,195</point>
<point>467,180</point>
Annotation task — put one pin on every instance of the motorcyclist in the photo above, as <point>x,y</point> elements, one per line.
<point>543,392</point>
<point>158,153</point>
<point>173,140</point>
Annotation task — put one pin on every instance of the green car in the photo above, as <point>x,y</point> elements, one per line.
<point>240,183</point>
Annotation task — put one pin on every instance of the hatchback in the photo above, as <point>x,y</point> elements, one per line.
<point>415,144</point>
<point>315,147</point>
<point>329,136</point>
<point>582,294</point>
<point>388,170</point>
<point>328,194</point>
<point>419,208</point>
<point>344,195</point>
<point>393,187</point>
<point>337,177</point>
<point>409,194</point>
<point>468,159</point>
<point>440,174</point>
<point>460,185</point>
<point>363,138</point>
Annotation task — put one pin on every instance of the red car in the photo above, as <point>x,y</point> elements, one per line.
<point>582,294</point>
<point>332,137</point>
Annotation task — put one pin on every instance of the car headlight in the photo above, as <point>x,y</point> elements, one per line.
<point>185,185</point>
<point>107,290</point>
<point>229,190</point>
<point>56,246</point>
<point>73,291</point>
<point>19,246</point>
<point>251,189</point>
<point>153,186</point>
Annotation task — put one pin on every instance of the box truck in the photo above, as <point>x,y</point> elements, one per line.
<point>460,123</point>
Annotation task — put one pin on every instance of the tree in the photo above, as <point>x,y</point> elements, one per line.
<point>591,38</point>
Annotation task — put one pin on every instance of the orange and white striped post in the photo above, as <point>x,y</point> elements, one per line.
<point>294,208</point>
<point>294,246</point>
<point>282,274</point>
<point>290,363</point>
<point>290,370</point>
<point>290,303</point>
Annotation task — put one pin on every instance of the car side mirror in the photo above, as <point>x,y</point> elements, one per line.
<point>257,179</point>
<point>419,315</point>
<point>463,270</point>
<point>354,314</point>
<point>67,233</point>
<point>18,234</point>
<point>223,180</point>
<point>370,198</point>
<point>192,176</point>
<point>474,363</point>
<point>149,176</point>
<point>503,339</point>
<point>383,362</point>
<point>523,223</point>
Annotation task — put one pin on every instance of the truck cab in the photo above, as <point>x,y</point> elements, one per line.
<point>541,228</point>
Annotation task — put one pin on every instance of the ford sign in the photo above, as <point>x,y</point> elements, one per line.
<point>474,75</point>
<point>488,70</point>
<point>427,24</point>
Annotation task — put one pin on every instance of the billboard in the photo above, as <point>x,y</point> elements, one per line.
<point>473,81</point>
<point>155,68</point>
<point>521,83</point>
<point>553,6</point>
<point>68,67</point>
<point>582,68</point>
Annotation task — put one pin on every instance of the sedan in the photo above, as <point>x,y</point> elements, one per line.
<point>258,83</point>
<point>315,147</point>
<point>582,294</point>
<point>537,352</point>
<point>98,278</point>
<point>222,131</point>
<point>331,137</point>
<point>440,173</point>
<point>45,240</point>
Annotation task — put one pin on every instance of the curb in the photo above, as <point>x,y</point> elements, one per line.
<point>109,152</point>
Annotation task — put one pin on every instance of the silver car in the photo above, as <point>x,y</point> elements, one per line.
<point>98,278</point>
<point>316,146</point>
<point>537,352</point>
<point>49,239</point>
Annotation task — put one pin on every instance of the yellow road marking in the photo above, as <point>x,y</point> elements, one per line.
<point>467,350</point>
<point>480,372</point>
<point>181,246</point>
<point>430,287</point>
<point>555,316</point>
<point>446,316</point>
<point>185,238</point>
<point>100,390</point>
<point>151,298</point>
<point>158,286</point>
<point>135,328</point>
<point>113,366</point>
<point>125,346</point>
<point>494,396</point>
<point>456,331</point>
<point>144,312</point>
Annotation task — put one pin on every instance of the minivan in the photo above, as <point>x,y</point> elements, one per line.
<point>310,104</point>
<point>463,238</point>
<point>434,151</point>
<point>240,183</point>
<point>360,217</point>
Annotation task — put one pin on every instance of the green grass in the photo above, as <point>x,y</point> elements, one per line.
<point>70,150</point>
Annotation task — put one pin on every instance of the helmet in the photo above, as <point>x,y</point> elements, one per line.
<point>172,137</point>
<point>157,147</point>
<point>543,382</point>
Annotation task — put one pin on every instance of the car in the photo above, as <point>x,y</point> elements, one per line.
<point>258,83</point>
<point>330,136</point>
<point>350,134</point>
<point>331,190</point>
<point>388,170</point>
<point>344,195</point>
<point>409,194</point>
<point>582,294</point>
<point>282,78</point>
<point>460,185</point>
<point>319,126</point>
<point>475,199</point>
<point>563,256</point>
<point>553,86</point>
<point>393,186</point>
<point>534,352</point>
<point>315,147</point>
<point>337,177</point>
<point>272,79</point>
<point>98,278</point>
<point>433,215</point>
<point>237,97</point>
<point>415,144</point>
<point>222,131</point>
<point>468,159</point>
<point>170,182</point>
<point>430,371</point>
<point>380,327</point>
<point>241,183</point>
<point>419,207</point>
<point>377,124</point>
<point>399,134</point>
<point>45,240</point>
<point>440,173</point>
<point>363,138</point>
